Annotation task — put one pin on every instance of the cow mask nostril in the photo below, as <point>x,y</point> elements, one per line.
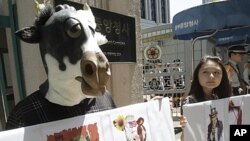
<point>73,28</point>
<point>89,69</point>
<point>95,73</point>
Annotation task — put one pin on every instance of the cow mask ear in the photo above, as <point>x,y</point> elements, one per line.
<point>101,39</point>
<point>28,34</point>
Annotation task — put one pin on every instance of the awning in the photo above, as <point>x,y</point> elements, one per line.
<point>211,18</point>
<point>240,35</point>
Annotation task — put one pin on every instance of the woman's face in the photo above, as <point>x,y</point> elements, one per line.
<point>210,75</point>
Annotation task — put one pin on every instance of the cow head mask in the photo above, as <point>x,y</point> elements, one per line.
<point>69,47</point>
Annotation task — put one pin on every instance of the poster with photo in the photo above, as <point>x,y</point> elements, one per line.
<point>215,116</point>
<point>234,110</point>
<point>86,127</point>
<point>233,114</point>
<point>130,124</point>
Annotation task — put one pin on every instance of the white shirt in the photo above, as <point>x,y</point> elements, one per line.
<point>234,78</point>
<point>246,74</point>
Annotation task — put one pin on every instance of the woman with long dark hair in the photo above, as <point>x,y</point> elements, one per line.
<point>210,82</point>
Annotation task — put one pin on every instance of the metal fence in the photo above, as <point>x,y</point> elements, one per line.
<point>167,80</point>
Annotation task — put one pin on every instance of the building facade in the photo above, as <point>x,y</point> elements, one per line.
<point>168,63</point>
<point>154,13</point>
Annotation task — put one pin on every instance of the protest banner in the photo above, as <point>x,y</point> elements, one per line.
<point>211,120</point>
<point>150,121</point>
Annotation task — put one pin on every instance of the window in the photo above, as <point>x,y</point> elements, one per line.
<point>163,11</point>
<point>153,10</point>
<point>143,12</point>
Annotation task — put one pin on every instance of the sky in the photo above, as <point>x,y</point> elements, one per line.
<point>179,5</point>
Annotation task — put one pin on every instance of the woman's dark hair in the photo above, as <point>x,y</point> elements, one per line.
<point>222,91</point>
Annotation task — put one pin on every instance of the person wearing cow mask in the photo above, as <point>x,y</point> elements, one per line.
<point>77,69</point>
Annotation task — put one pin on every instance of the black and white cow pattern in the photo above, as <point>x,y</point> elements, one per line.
<point>69,47</point>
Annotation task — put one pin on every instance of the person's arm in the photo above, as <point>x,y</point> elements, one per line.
<point>230,72</point>
<point>245,74</point>
<point>15,119</point>
<point>183,120</point>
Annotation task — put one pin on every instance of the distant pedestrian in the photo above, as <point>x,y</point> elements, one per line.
<point>235,54</point>
<point>246,72</point>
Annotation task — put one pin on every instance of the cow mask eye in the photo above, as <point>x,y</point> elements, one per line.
<point>73,28</point>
